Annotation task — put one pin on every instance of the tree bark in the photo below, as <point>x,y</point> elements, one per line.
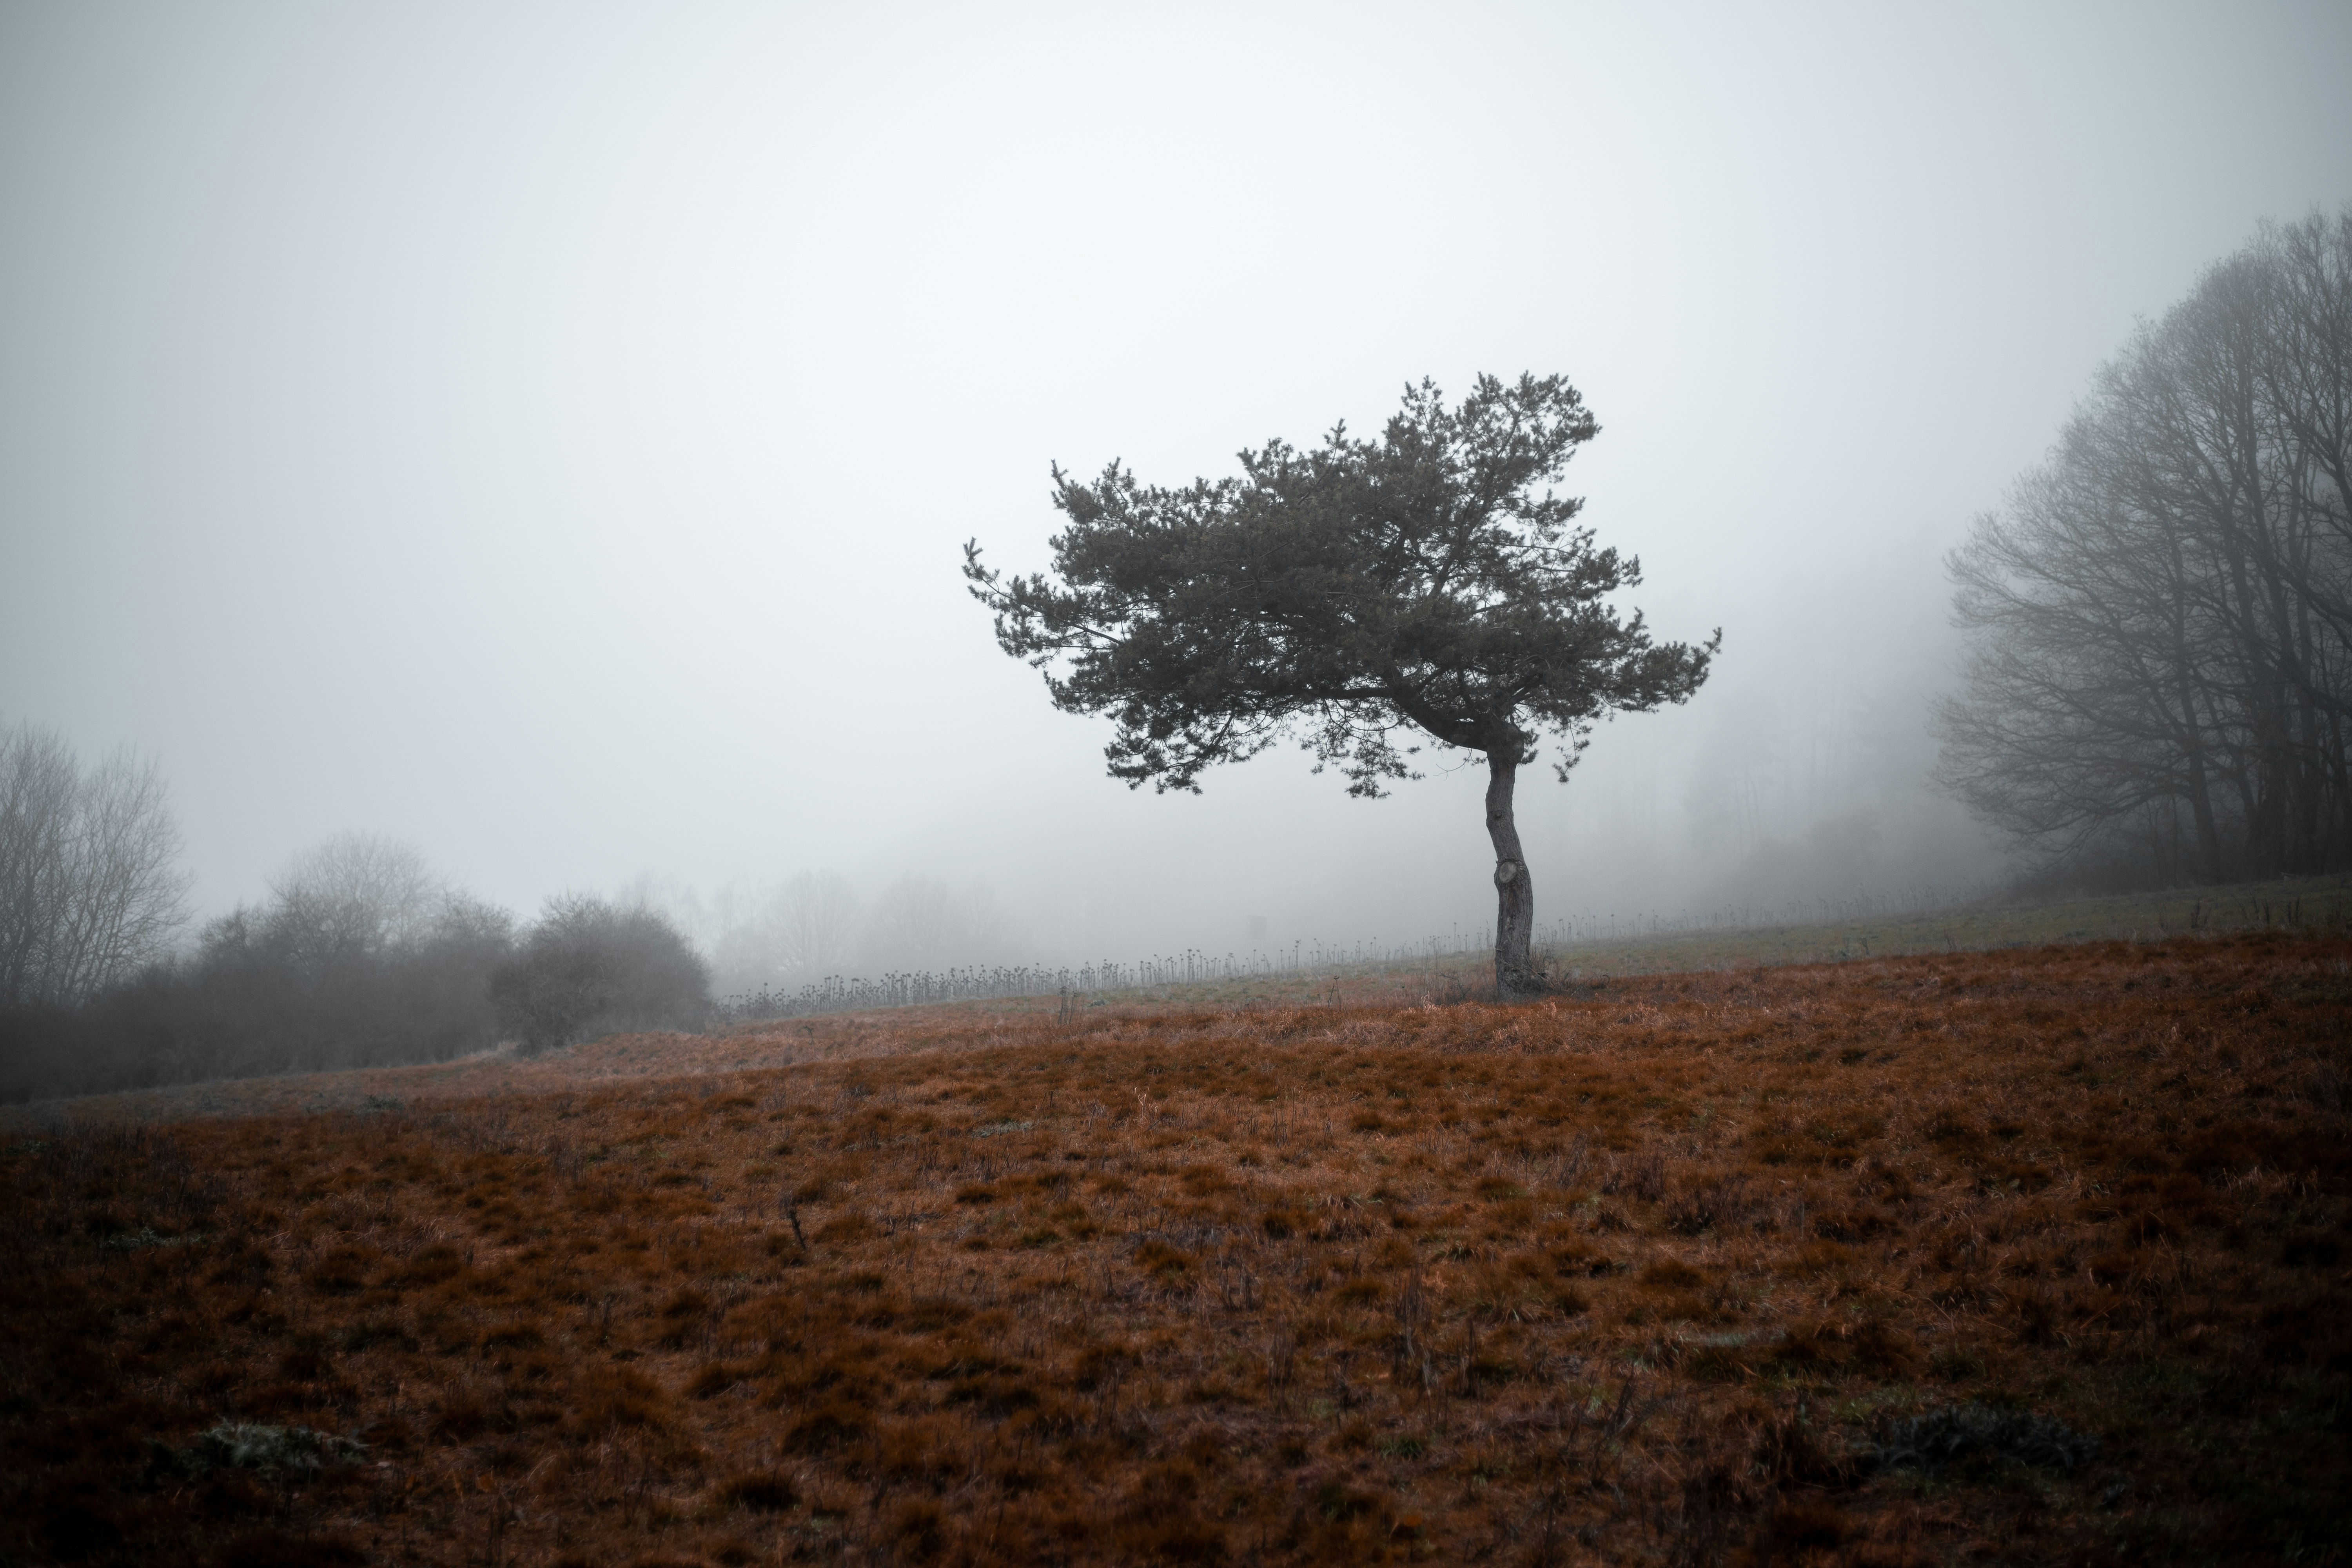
<point>1515,895</point>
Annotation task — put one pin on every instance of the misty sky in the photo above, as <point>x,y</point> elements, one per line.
<point>546,434</point>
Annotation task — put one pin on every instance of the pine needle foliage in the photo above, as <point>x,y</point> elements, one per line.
<point>1363,595</point>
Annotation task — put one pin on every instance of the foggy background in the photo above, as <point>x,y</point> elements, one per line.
<point>545,435</point>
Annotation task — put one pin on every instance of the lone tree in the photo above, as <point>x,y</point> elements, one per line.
<point>1428,581</point>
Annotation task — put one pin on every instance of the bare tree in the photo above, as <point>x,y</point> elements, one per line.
<point>803,929</point>
<point>90,887</point>
<point>2161,616</point>
<point>921,923</point>
<point>354,896</point>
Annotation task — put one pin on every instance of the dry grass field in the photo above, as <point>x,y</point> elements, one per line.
<point>2035,1256</point>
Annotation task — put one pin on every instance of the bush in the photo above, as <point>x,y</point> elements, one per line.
<point>592,968</point>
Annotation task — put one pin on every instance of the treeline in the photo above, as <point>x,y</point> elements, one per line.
<point>2160,617</point>
<point>360,957</point>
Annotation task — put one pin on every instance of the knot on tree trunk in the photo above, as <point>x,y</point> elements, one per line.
<point>1505,873</point>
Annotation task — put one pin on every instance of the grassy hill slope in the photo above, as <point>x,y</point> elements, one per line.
<point>2036,1255</point>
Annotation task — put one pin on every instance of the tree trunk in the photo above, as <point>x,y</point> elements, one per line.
<point>1515,895</point>
<point>2200,794</point>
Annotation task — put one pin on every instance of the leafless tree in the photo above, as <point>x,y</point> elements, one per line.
<point>2161,616</point>
<point>90,887</point>
<point>801,930</point>
<point>921,923</point>
<point>354,896</point>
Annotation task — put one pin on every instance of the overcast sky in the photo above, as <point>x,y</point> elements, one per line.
<point>546,433</point>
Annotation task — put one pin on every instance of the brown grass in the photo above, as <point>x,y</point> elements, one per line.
<point>1635,1275</point>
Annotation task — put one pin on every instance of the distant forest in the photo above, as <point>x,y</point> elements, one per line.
<point>2156,692</point>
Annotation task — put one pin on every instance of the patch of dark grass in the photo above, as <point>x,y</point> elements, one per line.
<point>1938,1439</point>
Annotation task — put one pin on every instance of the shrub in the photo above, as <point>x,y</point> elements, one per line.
<point>592,968</point>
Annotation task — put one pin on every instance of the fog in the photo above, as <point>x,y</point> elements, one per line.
<point>545,435</point>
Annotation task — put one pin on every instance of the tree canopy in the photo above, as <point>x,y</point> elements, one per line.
<point>1428,581</point>
<point>1363,596</point>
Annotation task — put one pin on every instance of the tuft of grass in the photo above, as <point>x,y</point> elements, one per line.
<point>146,1236</point>
<point>1934,1440</point>
<point>294,1451</point>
